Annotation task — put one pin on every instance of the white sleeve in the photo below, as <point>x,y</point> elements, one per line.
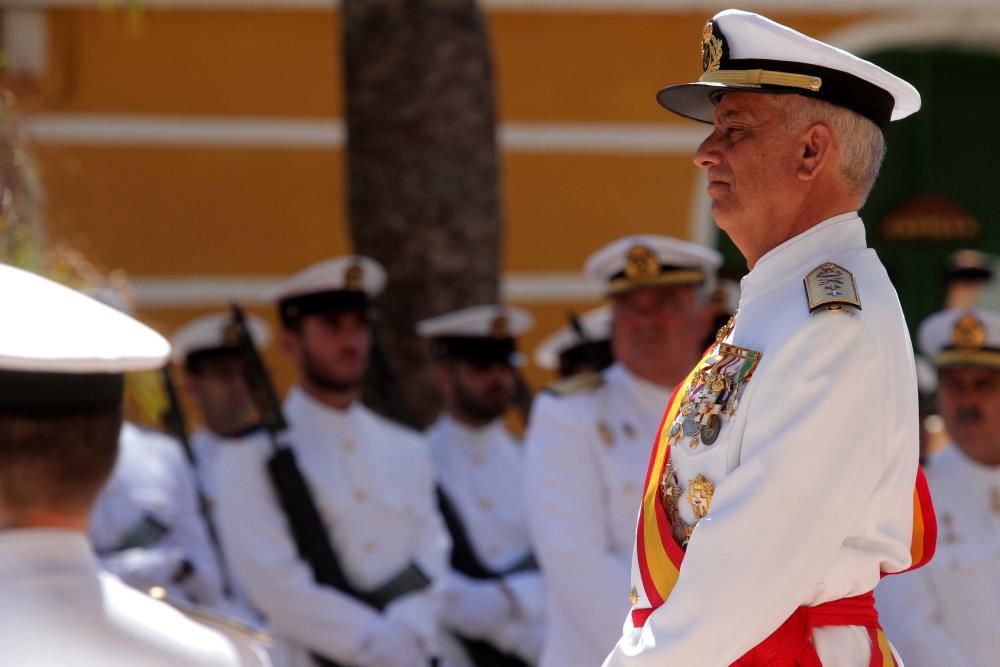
<point>812,454</point>
<point>261,551</point>
<point>190,532</point>
<point>570,525</point>
<point>911,618</point>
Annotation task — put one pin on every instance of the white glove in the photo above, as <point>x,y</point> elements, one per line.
<point>391,644</point>
<point>523,639</point>
<point>475,609</point>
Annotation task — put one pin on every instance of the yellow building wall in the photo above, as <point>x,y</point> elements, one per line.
<point>158,210</point>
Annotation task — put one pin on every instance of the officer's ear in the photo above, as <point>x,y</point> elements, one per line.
<point>817,147</point>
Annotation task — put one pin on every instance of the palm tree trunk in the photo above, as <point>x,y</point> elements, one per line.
<point>423,191</point>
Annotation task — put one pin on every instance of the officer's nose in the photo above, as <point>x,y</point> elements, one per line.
<point>708,154</point>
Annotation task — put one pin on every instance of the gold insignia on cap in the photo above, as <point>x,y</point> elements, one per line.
<point>831,287</point>
<point>499,328</point>
<point>641,264</point>
<point>353,277</point>
<point>968,333</point>
<point>711,48</point>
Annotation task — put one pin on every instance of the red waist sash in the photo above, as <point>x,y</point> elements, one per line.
<point>791,644</point>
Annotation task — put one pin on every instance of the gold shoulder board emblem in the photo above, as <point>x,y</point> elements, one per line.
<point>831,287</point>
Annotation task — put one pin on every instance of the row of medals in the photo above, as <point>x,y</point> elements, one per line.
<point>700,420</point>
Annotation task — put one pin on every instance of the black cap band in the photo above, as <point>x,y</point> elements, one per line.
<point>475,349</point>
<point>24,391</point>
<point>295,308</point>
<point>197,357</point>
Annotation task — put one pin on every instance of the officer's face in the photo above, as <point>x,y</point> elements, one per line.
<point>752,163</point>
<point>331,349</point>
<point>657,331</point>
<point>479,393</point>
<point>220,388</point>
<point>969,399</point>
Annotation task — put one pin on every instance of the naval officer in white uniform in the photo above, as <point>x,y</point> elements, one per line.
<point>782,485</point>
<point>582,346</point>
<point>62,360</point>
<point>371,480</point>
<point>495,602</point>
<point>588,439</point>
<point>945,613</point>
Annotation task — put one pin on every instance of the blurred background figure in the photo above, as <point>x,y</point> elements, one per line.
<point>967,274</point>
<point>582,346</point>
<point>62,362</point>
<point>495,601</point>
<point>370,481</point>
<point>215,378</point>
<point>944,613</point>
<point>589,437</point>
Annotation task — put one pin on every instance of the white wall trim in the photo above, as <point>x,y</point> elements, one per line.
<point>153,291</point>
<point>159,130</point>
<point>610,6</point>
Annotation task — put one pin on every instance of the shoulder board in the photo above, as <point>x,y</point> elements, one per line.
<point>831,287</point>
<point>576,384</point>
<point>214,619</point>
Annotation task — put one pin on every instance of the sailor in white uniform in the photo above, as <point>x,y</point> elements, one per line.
<point>62,360</point>
<point>588,439</point>
<point>147,525</point>
<point>370,479</point>
<point>784,481</point>
<point>495,602</point>
<point>946,612</point>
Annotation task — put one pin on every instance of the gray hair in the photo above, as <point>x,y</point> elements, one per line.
<point>861,142</point>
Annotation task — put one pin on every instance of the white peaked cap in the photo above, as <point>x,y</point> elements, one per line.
<point>647,259</point>
<point>746,52</point>
<point>50,328</point>
<point>596,324</point>
<point>961,338</point>
<point>492,321</point>
<point>210,333</point>
<point>350,273</point>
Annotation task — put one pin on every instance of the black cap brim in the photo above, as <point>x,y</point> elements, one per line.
<point>697,101</point>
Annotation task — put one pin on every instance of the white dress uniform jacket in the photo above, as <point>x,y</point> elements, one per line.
<point>152,491</point>
<point>946,612</point>
<point>57,608</point>
<point>814,473</point>
<point>481,470</point>
<point>586,457</point>
<point>373,483</point>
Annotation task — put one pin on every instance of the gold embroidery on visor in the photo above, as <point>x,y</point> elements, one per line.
<point>761,77</point>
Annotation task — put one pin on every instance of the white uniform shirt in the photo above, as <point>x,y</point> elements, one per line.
<point>481,471</point>
<point>813,474</point>
<point>205,445</point>
<point>946,613</point>
<point>57,608</point>
<point>586,457</point>
<point>373,483</point>
<point>152,482</point>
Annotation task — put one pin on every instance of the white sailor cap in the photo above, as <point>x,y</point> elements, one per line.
<point>566,347</point>
<point>481,334</point>
<point>61,349</point>
<point>747,53</point>
<point>337,284</point>
<point>214,335</point>
<point>962,338</point>
<point>648,260</point>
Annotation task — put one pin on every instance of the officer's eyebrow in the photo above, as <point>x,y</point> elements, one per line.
<point>734,116</point>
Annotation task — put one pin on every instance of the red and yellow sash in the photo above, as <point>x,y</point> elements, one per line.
<point>660,556</point>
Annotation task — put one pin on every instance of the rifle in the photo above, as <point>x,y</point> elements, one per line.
<point>175,424</point>
<point>309,532</point>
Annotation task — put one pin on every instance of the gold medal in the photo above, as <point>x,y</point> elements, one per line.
<point>699,496</point>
